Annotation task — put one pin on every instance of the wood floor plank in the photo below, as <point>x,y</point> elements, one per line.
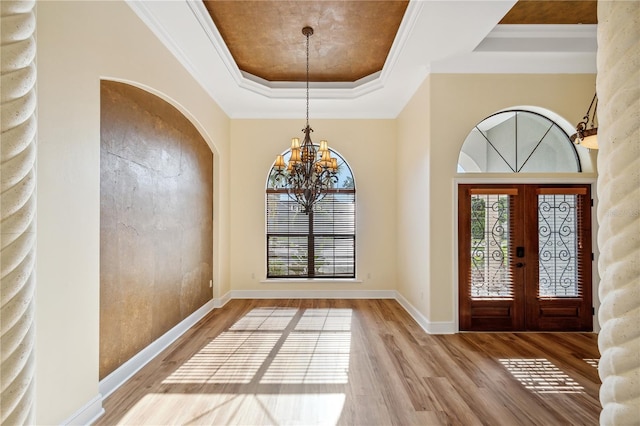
<point>357,362</point>
<point>488,408</point>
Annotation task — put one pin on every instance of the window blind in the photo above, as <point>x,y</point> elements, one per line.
<point>318,244</point>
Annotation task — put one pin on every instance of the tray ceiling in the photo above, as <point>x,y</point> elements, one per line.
<point>367,58</point>
<point>351,39</point>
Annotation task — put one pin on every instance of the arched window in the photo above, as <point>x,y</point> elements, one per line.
<point>320,244</point>
<point>518,141</point>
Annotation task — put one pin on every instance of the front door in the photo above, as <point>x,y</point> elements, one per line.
<point>524,257</point>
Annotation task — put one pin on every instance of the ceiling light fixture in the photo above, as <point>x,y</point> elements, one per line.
<point>588,137</point>
<point>311,171</point>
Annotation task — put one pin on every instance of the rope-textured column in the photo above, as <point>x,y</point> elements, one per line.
<point>17,206</point>
<point>618,88</point>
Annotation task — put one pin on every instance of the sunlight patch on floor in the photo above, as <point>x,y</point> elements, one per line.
<point>311,357</point>
<point>325,320</point>
<point>275,346</point>
<point>592,362</point>
<point>232,357</point>
<point>237,409</point>
<point>539,375</point>
<point>265,319</point>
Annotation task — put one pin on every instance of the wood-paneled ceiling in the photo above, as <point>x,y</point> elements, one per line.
<point>352,38</point>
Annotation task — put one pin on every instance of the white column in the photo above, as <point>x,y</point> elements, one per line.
<point>618,87</point>
<point>17,206</point>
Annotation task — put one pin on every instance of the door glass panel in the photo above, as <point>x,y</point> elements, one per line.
<point>491,275</point>
<point>558,246</point>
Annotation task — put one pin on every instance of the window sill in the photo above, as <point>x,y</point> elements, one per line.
<point>309,280</point>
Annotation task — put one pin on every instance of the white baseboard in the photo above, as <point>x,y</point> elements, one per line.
<point>88,414</point>
<point>114,380</point>
<point>440,327</point>
<point>313,294</point>
<point>220,302</point>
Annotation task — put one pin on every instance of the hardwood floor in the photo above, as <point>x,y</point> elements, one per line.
<point>357,362</point>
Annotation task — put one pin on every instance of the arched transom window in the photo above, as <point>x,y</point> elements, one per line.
<point>320,244</point>
<point>518,141</point>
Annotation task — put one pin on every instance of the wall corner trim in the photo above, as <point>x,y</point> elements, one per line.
<point>441,327</point>
<point>89,413</point>
<point>221,301</point>
<point>123,373</point>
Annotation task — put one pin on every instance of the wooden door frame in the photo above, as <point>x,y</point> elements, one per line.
<point>518,179</point>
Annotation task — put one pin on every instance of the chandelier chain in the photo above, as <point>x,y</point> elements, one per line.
<point>308,34</point>
<point>311,171</point>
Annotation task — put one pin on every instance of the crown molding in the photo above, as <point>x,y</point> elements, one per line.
<point>297,90</point>
<point>433,37</point>
<point>540,38</point>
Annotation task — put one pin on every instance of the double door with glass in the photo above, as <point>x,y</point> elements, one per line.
<point>524,257</point>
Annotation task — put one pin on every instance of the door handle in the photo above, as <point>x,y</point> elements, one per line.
<point>519,265</point>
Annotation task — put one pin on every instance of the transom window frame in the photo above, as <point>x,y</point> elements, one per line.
<point>336,203</point>
<point>536,111</point>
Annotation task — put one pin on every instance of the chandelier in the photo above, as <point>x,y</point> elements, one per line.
<point>311,171</point>
<point>585,136</point>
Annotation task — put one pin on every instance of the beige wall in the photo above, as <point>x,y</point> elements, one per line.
<point>457,102</point>
<point>77,46</point>
<point>412,201</point>
<point>369,148</point>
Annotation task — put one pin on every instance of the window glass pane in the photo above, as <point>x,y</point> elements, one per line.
<point>490,246</point>
<point>550,156</point>
<point>495,120</point>
<point>558,246</point>
<point>287,256</point>
<point>475,153</point>
<point>531,130</point>
<point>345,177</point>
<point>501,151</point>
<point>334,256</point>
<point>284,215</point>
<point>517,141</point>
<point>335,214</point>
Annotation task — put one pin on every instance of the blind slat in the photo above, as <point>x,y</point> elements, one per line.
<point>333,239</point>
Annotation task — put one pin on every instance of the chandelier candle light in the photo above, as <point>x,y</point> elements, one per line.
<point>311,171</point>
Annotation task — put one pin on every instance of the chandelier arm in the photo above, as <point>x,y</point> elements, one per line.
<point>586,118</point>
<point>595,96</point>
<point>584,135</point>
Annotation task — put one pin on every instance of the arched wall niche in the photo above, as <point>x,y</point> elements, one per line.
<point>156,226</point>
<point>177,105</point>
